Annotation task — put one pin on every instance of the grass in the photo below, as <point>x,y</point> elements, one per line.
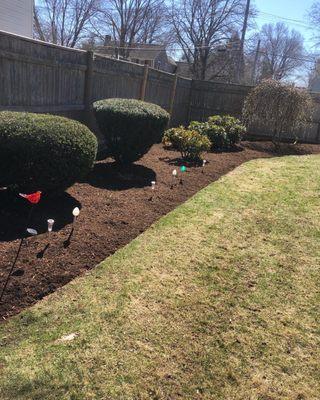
<point>218,300</point>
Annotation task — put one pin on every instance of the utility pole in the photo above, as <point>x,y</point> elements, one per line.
<point>243,36</point>
<point>256,57</point>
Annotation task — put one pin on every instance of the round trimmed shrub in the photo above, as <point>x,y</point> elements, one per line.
<point>130,127</point>
<point>43,152</point>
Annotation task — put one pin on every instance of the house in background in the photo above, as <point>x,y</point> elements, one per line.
<point>221,63</point>
<point>314,78</point>
<point>16,16</point>
<point>154,55</point>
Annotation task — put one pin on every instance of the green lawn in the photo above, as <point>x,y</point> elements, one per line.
<point>218,300</point>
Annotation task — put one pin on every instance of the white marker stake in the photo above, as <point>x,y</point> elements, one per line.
<point>203,165</point>
<point>75,213</point>
<point>174,175</point>
<point>32,232</point>
<point>50,225</point>
<point>153,185</point>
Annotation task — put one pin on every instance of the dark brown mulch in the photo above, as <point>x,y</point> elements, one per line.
<point>116,206</point>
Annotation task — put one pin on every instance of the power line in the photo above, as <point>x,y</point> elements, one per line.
<point>292,20</point>
<point>306,58</point>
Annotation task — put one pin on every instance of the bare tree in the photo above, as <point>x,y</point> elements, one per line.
<point>200,26</point>
<point>282,51</point>
<point>155,28</point>
<point>131,21</point>
<point>64,22</point>
<point>314,17</point>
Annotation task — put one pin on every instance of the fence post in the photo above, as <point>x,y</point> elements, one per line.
<point>143,86</point>
<point>88,81</point>
<point>173,95</point>
<point>190,102</point>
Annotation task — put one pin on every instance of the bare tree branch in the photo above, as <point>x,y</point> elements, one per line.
<point>64,22</point>
<point>282,51</point>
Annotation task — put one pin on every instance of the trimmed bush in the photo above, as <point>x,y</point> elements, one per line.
<point>191,144</point>
<point>234,130</point>
<point>216,134</point>
<point>171,138</point>
<point>222,131</point>
<point>130,127</point>
<point>43,152</point>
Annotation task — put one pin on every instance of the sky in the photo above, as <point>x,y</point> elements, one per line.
<point>287,9</point>
<point>294,13</point>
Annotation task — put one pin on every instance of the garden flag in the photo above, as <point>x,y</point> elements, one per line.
<point>33,198</point>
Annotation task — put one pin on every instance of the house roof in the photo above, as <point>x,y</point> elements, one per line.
<point>139,51</point>
<point>171,61</point>
<point>146,51</point>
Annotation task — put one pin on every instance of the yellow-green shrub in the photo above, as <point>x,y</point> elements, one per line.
<point>191,144</point>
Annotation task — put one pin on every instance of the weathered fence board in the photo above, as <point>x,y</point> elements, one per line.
<point>41,77</point>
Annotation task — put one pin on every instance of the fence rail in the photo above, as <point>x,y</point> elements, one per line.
<point>41,77</point>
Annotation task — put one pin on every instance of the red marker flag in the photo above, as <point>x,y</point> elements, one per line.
<point>33,198</point>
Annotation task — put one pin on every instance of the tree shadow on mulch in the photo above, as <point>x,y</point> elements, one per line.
<point>14,212</point>
<point>179,161</point>
<point>283,150</point>
<point>232,149</point>
<point>112,176</point>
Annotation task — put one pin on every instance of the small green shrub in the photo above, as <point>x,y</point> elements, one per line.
<point>200,127</point>
<point>43,152</point>
<point>222,131</point>
<point>130,127</point>
<point>171,137</point>
<point>234,130</point>
<point>191,144</point>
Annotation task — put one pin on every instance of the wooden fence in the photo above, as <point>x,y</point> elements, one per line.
<point>40,77</point>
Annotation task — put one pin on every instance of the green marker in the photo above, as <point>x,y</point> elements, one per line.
<point>183,168</point>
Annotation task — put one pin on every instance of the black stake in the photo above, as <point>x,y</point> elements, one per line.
<point>67,242</point>
<point>42,252</point>
<point>11,269</point>
<point>16,257</point>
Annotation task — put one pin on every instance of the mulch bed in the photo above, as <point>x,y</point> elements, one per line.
<point>116,206</point>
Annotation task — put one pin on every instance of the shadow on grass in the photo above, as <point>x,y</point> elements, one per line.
<point>14,212</point>
<point>112,176</point>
